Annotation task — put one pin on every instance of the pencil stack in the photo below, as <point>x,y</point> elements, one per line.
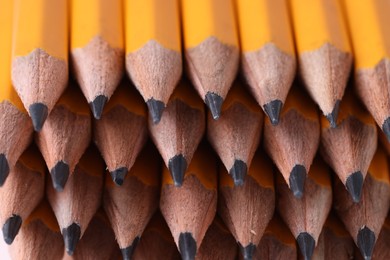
<point>195,129</point>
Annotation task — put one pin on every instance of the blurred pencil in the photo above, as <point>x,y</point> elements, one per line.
<point>22,192</point>
<point>189,210</point>
<point>122,131</point>
<point>240,207</point>
<point>382,249</point>
<point>236,135</point>
<point>180,130</point>
<point>293,143</point>
<point>130,207</point>
<point>267,52</point>
<point>383,140</point>
<point>211,48</point>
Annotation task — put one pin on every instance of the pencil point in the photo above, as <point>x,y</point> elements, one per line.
<point>11,228</point>
<point>97,106</point>
<point>59,175</point>
<point>297,180</point>
<point>177,166</point>
<point>366,242</point>
<point>272,109</point>
<point>38,113</point>
<point>332,117</point>
<point>156,107</point>
<point>248,251</point>
<point>4,169</point>
<point>71,236</point>
<point>386,128</point>
<point>354,185</point>
<point>238,172</point>
<point>128,251</point>
<point>214,103</point>
<point>306,244</point>
<point>187,246</point>
<point>118,175</point>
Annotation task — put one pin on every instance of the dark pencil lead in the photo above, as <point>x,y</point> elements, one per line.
<point>71,236</point>
<point>306,244</point>
<point>118,175</point>
<point>297,180</point>
<point>272,109</point>
<point>11,228</point>
<point>177,166</point>
<point>4,169</point>
<point>366,242</point>
<point>354,185</point>
<point>332,117</point>
<point>238,172</point>
<point>128,251</point>
<point>38,113</point>
<point>156,108</point>
<point>97,106</point>
<point>187,246</point>
<point>386,128</point>
<point>214,103</point>
<point>59,175</point>
<point>248,251</point>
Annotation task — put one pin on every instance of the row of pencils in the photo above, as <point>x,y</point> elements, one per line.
<point>215,159</point>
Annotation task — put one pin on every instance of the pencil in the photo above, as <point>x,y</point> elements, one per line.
<point>324,52</point>
<point>382,249</point>
<point>236,135</point>
<point>97,49</point>
<point>15,125</point>
<point>189,210</point>
<point>22,192</point>
<point>306,216</point>
<point>293,143</point>
<point>349,148</point>
<point>267,52</point>
<point>40,55</point>
<point>247,209</point>
<point>334,241</point>
<point>383,141</point>
<point>122,131</point>
<point>65,136</point>
<point>277,241</point>
<point>39,236</point>
<point>130,207</point>
<point>364,220</point>
<point>156,241</point>
<point>153,50</point>
<point>76,205</point>
<point>372,53</point>
<point>211,48</point>
<point>218,243</point>
<point>180,130</point>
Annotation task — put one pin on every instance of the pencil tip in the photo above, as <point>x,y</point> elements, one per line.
<point>177,166</point>
<point>11,228</point>
<point>306,244</point>
<point>4,169</point>
<point>38,113</point>
<point>71,236</point>
<point>272,109</point>
<point>128,251</point>
<point>332,117</point>
<point>118,175</point>
<point>156,108</point>
<point>386,128</point>
<point>248,251</point>
<point>59,175</point>
<point>97,106</point>
<point>354,185</point>
<point>297,180</point>
<point>238,172</point>
<point>366,242</point>
<point>214,103</point>
<point>187,246</point>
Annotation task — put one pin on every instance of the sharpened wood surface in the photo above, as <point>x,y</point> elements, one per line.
<point>382,248</point>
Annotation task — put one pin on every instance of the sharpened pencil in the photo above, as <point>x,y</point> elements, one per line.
<point>382,249</point>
